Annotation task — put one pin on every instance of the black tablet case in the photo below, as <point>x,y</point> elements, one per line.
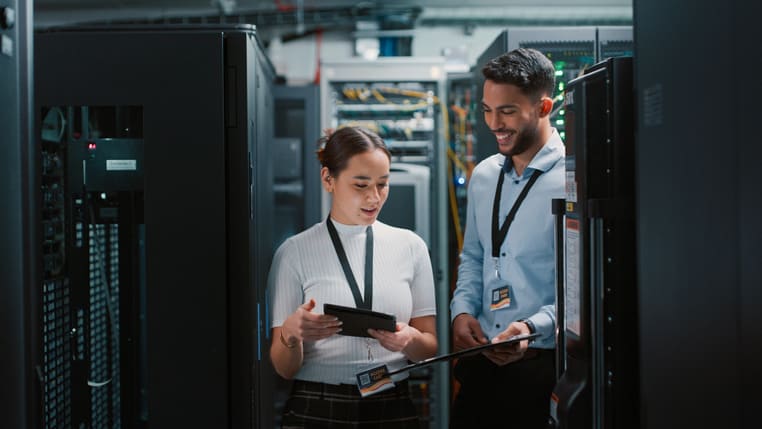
<point>357,321</point>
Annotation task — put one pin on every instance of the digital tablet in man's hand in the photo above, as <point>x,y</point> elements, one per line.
<point>357,321</point>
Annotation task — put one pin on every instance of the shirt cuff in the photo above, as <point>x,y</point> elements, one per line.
<point>459,308</point>
<point>543,324</point>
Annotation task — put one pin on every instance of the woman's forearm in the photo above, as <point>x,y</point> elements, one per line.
<point>424,345</point>
<point>286,353</point>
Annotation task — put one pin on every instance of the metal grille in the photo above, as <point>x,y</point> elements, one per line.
<point>56,354</point>
<point>57,319</point>
<point>104,375</point>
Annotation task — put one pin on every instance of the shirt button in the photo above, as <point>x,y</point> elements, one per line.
<point>515,182</point>
<point>503,253</point>
<point>497,326</point>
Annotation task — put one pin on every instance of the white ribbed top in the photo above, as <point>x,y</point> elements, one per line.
<point>306,267</point>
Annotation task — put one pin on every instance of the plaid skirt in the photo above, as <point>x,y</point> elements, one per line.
<point>319,405</point>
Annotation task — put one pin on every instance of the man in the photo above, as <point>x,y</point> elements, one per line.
<point>506,277</point>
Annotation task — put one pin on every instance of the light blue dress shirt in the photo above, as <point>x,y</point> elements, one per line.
<point>527,256</point>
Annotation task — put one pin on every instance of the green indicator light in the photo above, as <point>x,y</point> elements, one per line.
<point>562,112</point>
<point>559,72</point>
<point>559,121</point>
<point>561,86</point>
<point>562,134</point>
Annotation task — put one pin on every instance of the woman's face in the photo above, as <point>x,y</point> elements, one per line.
<point>360,190</point>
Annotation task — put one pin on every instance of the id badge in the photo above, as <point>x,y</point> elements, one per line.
<point>374,380</point>
<point>501,298</point>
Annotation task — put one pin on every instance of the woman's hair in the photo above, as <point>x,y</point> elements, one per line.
<point>528,69</point>
<point>338,147</point>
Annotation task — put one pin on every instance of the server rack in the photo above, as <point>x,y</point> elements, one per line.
<point>698,225</point>
<point>297,170</point>
<point>484,141</point>
<point>297,181</point>
<point>599,387</point>
<point>17,213</point>
<point>401,99</point>
<point>462,113</point>
<point>572,50</point>
<point>154,160</point>
<point>615,42</point>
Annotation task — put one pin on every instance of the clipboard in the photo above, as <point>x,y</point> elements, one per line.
<point>379,378</point>
<point>467,352</point>
<point>357,321</point>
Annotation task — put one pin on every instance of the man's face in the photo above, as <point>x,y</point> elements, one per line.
<point>511,116</point>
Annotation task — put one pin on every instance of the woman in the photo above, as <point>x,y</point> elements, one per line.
<point>394,276</point>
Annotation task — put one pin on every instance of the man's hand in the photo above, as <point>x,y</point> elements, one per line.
<point>467,332</point>
<point>503,355</point>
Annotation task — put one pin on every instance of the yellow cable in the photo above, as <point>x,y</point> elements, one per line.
<point>458,163</point>
<point>454,208</point>
<point>450,181</point>
<point>409,93</point>
<point>378,96</point>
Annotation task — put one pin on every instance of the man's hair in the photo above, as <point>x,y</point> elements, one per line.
<point>528,69</point>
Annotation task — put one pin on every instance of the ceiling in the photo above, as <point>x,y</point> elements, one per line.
<point>264,4</point>
<point>281,12</point>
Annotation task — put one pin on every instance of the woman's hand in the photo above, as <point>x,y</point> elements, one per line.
<point>398,340</point>
<point>304,325</point>
<point>417,341</point>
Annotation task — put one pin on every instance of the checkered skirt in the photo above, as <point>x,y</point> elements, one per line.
<point>320,405</point>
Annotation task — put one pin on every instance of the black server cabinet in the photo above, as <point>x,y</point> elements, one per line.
<point>296,181</point>
<point>154,159</point>
<point>599,388</point>
<point>699,202</point>
<point>571,49</point>
<point>484,144</point>
<point>16,213</point>
<point>296,168</point>
<point>614,42</point>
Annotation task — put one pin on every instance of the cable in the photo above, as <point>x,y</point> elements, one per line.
<point>409,93</point>
<point>450,181</point>
<point>349,93</point>
<point>379,97</point>
<point>458,163</point>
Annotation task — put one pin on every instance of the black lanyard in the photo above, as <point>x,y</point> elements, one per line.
<point>368,302</point>
<point>498,234</point>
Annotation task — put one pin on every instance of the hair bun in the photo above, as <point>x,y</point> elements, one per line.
<point>323,140</point>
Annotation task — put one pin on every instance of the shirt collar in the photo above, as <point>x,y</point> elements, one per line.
<point>344,229</point>
<point>545,158</point>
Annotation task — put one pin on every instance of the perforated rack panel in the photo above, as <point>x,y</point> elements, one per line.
<point>56,354</point>
<point>104,332</point>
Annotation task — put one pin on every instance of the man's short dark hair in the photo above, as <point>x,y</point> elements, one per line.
<point>528,69</point>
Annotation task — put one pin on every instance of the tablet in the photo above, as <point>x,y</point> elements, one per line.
<point>512,340</point>
<point>357,321</point>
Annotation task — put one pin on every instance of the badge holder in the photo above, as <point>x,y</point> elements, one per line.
<point>374,380</point>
